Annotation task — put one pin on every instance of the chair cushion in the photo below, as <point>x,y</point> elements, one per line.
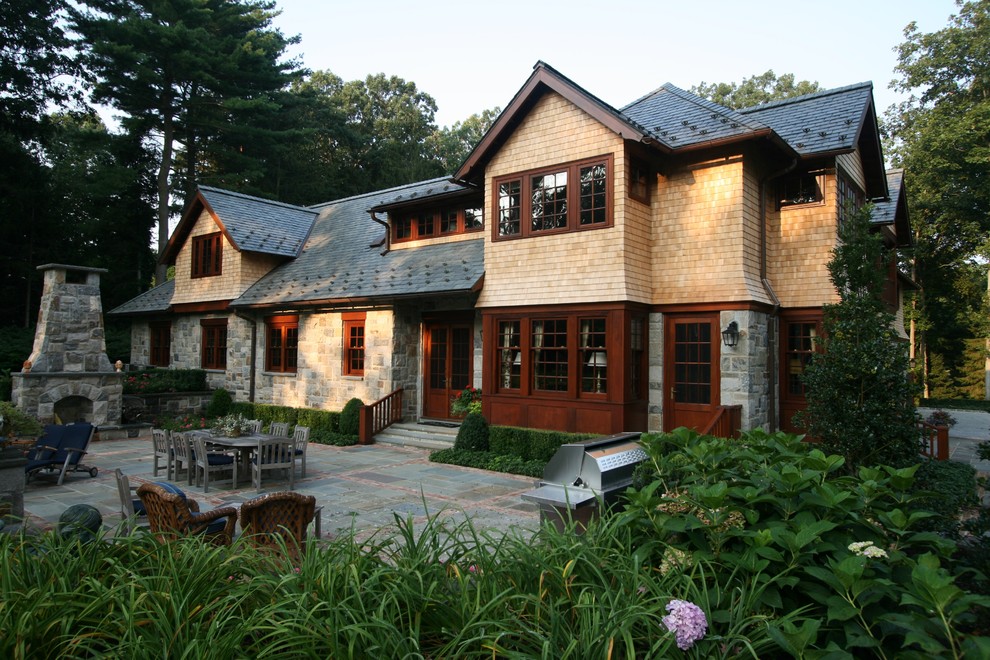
<point>216,526</point>
<point>139,507</point>
<point>219,459</point>
<point>170,488</point>
<point>300,452</point>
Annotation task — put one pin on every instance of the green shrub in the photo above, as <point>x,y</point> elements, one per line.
<point>945,488</point>
<point>243,408</point>
<point>487,460</point>
<point>319,420</point>
<point>269,413</point>
<point>350,417</point>
<point>156,381</point>
<point>473,433</point>
<point>17,423</point>
<point>530,444</point>
<point>220,403</point>
<point>328,437</point>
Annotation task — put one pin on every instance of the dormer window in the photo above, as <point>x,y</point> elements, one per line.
<point>207,255</point>
<point>431,223</point>
<point>804,188</point>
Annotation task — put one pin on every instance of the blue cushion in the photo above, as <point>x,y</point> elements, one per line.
<point>216,527</point>
<point>169,488</point>
<point>139,508</point>
<point>219,459</point>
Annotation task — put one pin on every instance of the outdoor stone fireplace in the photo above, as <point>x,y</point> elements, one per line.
<point>68,376</point>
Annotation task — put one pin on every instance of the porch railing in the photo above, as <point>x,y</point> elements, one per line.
<point>934,441</point>
<point>726,422</point>
<point>379,415</point>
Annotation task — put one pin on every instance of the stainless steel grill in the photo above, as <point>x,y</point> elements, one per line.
<point>582,476</point>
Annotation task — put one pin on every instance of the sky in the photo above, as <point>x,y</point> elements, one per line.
<point>473,56</point>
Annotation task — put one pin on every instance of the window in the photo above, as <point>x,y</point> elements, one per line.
<point>547,201</point>
<point>509,355</point>
<point>639,182</point>
<point>214,353</point>
<point>207,255</point>
<point>594,356</point>
<point>850,198</point>
<point>637,357</point>
<point>160,343</point>
<point>354,344</point>
<point>430,223</point>
<point>549,355</point>
<point>281,343</point>
<point>801,338</point>
<point>806,188</point>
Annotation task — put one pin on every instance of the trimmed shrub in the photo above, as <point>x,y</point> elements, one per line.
<point>243,408</point>
<point>319,420</point>
<point>220,403</point>
<point>269,413</point>
<point>486,460</point>
<point>530,444</point>
<point>326,437</point>
<point>473,434</point>
<point>350,417</point>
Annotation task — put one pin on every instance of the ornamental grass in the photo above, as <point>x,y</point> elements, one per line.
<point>754,548</point>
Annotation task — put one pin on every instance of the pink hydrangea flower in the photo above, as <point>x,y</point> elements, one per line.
<point>687,621</point>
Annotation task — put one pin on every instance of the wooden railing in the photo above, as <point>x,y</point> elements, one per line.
<point>934,441</point>
<point>378,416</point>
<point>726,423</point>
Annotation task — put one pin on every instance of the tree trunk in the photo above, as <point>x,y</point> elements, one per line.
<point>168,135</point>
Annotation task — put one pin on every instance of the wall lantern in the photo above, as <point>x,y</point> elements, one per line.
<point>730,336</point>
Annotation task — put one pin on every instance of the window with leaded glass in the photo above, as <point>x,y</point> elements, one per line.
<point>509,208</point>
<point>594,186</point>
<point>548,341</point>
<point>804,188</point>
<point>549,201</point>
<point>594,356</point>
<point>509,355</point>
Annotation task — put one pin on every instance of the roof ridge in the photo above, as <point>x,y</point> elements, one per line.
<point>254,198</point>
<point>805,97</point>
<point>715,107</point>
<point>376,193</point>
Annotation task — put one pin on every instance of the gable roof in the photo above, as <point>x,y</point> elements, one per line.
<point>157,299</point>
<point>343,260</point>
<point>250,224</point>
<point>893,209</point>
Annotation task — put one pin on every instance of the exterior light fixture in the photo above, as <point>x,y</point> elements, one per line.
<point>730,336</point>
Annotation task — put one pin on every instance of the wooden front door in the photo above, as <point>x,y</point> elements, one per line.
<point>449,357</point>
<point>691,371</point>
<point>798,343</point>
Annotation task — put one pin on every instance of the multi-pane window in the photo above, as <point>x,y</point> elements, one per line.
<point>801,338</point>
<point>548,346</point>
<point>693,363</point>
<point>207,255</point>
<point>214,350</point>
<point>509,355</point>
<point>637,358</point>
<point>804,188</point>
<point>432,222</point>
<point>850,198</point>
<point>549,201</point>
<point>594,356</point>
<point>160,341</point>
<point>354,344</point>
<point>281,343</point>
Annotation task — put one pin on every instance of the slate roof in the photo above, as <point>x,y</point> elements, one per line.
<point>678,118</point>
<point>823,122</point>
<point>343,259</point>
<point>152,301</point>
<point>885,210</point>
<point>254,224</point>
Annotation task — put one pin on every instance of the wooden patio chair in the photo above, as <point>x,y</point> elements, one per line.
<point>279,429</point>
<point>255,425</point>
<point>172,515</point>
<point>301,437</point>
<point>163,452</point>
<point>182,454</point>
<point>271,520</point>
<point>207,460</point>
<point>274,453</point>
<point>132,511</point>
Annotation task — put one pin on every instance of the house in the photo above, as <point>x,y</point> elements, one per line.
<point>589,268</point>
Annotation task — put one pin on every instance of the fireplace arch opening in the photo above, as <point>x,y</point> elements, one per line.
<point>73,409</point>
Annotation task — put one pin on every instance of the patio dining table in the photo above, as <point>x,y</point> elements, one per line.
<point>244,444</point>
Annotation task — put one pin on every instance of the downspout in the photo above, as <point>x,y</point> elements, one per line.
<point>254,351</point>
<point>773,323</point>
<point>388,235</point>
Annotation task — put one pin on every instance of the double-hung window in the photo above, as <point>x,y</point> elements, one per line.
<point>568,197</point>
<point>281,343</point>
<point>160,343</point>
<point>214,353</point>
<point>207,255</point>
<point>354,344</point>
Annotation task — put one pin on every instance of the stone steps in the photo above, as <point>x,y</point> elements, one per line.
<point>425,435</point>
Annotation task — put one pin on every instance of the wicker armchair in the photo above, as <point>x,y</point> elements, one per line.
<point>284,515</point>
<point>171,514</point>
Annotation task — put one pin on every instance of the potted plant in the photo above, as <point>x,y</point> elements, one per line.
<point>467,401</point>
<point>230,426</point>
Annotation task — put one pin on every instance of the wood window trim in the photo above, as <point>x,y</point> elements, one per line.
<point>819,199</point>
<point>284,357</point>
<point>213,349</point>
<point>523,181</point>
<point>207,255</point>
<point>410,226</point>
<point>354,363</point>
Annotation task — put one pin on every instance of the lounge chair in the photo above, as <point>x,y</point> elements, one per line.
<point>60,450</point>
<point>171,515</point>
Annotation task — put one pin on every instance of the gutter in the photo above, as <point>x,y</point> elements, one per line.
<point>388,242</point>
<point>254,351</point>
<point>773,325</point>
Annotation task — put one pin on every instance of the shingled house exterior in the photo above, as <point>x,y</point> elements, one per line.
<point>580,267</point>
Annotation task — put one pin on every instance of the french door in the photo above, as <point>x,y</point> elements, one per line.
<point>449,349</point>
<point>691,371</point>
